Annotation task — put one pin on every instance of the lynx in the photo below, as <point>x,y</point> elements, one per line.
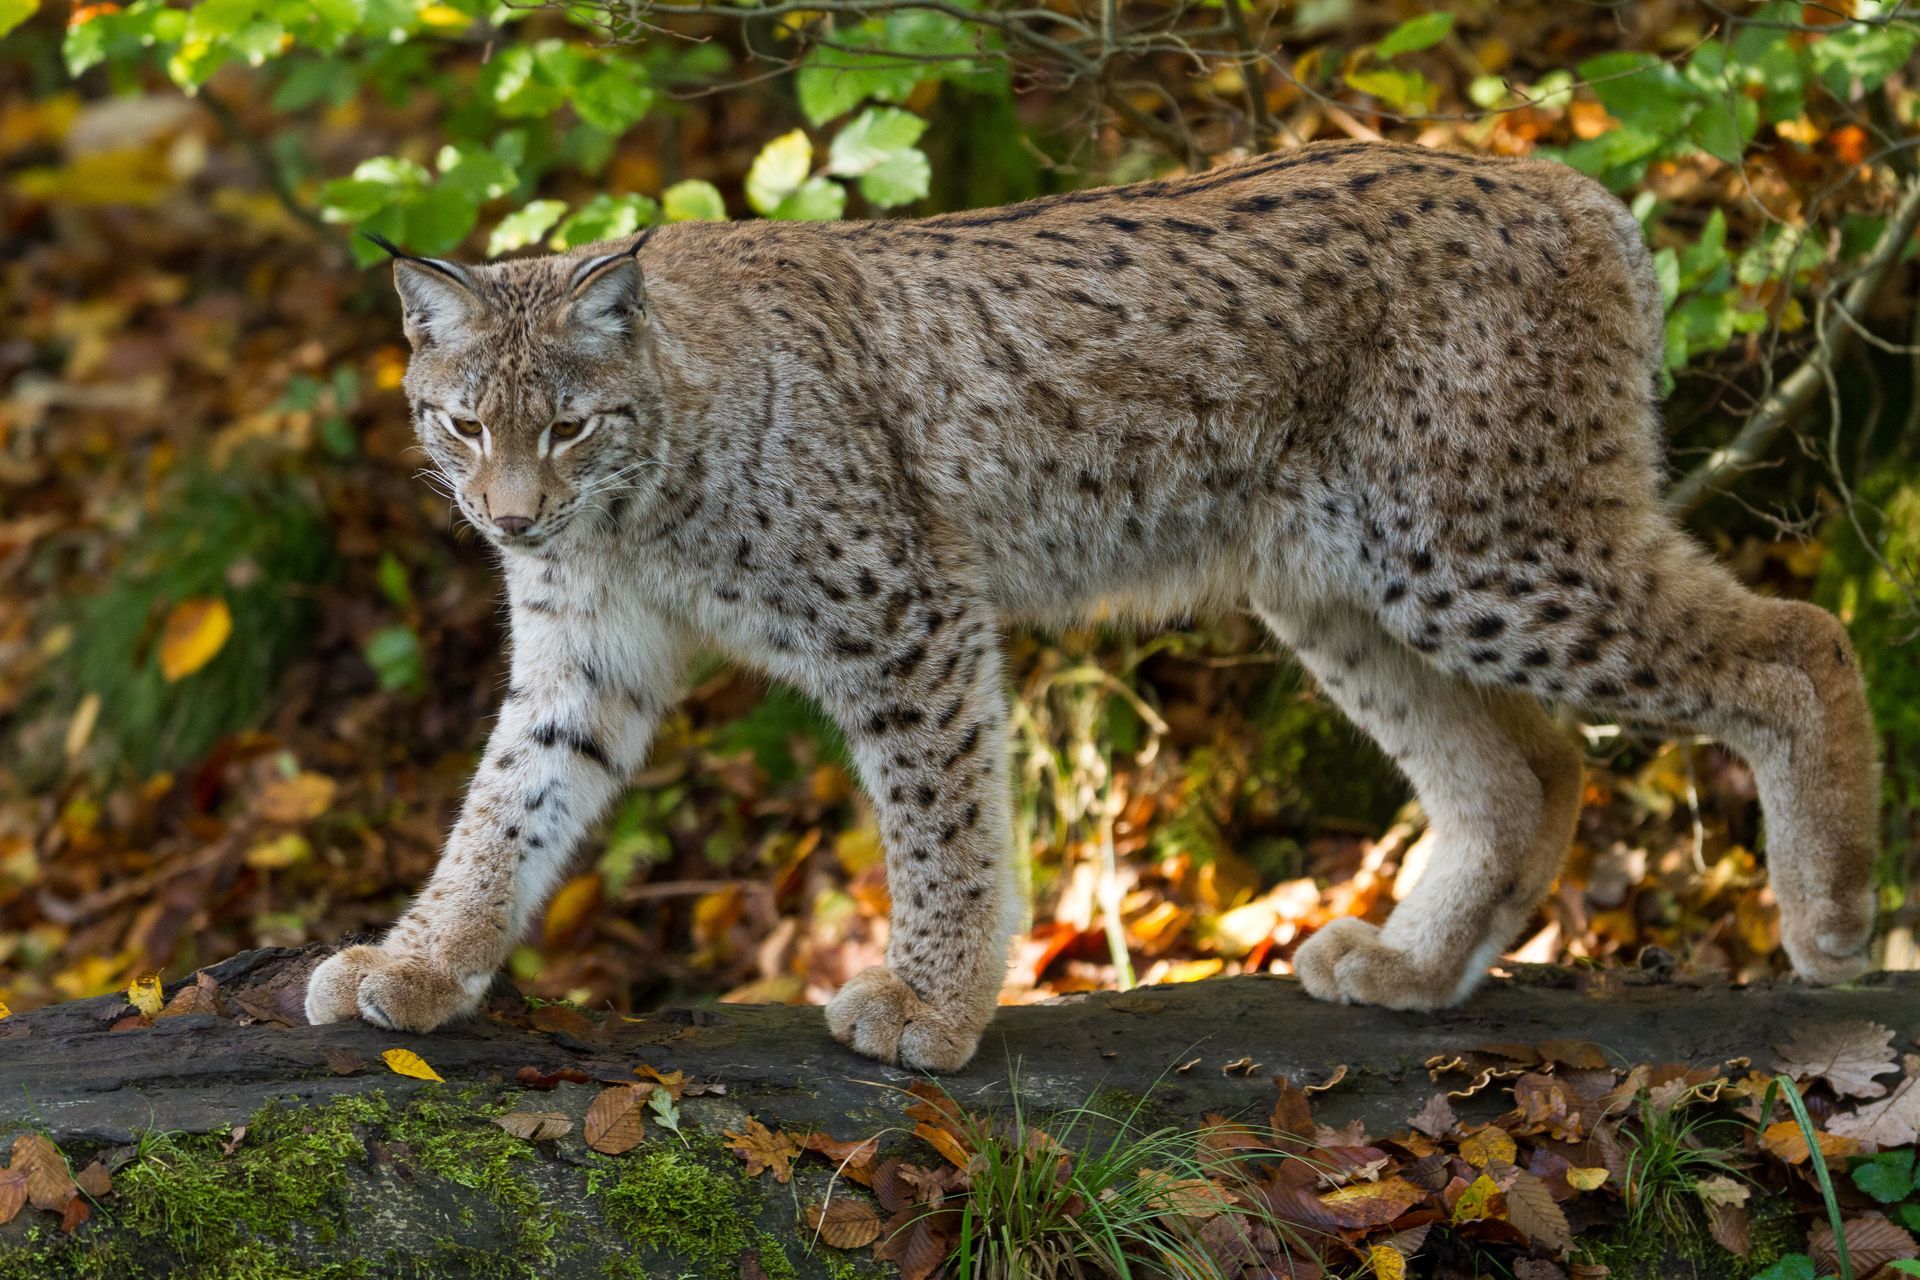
<point>1400,403</point>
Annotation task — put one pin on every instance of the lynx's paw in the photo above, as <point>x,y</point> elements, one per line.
<point>880,1016</point>
<point>1347,963</point>
<point>1828,942</point>
<point>399,992</point>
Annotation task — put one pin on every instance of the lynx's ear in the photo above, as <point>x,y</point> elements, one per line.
<point>437,300</point>
<point>608,296</point>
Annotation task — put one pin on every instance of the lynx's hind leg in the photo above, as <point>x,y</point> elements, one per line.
<point>1776,681</point>
<point>1501,787</point>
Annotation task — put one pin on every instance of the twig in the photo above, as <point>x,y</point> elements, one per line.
<point>269,168</point>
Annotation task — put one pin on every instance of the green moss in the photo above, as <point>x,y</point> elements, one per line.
<point>667,1200</point>
<point>1665,1253</point>
<point>184,1207</point>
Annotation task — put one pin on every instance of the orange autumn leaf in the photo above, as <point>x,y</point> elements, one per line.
<point>1787,1141</point>
<point>194,632</point>
<point>674,1082</point>
<point>1371,1204</point>
<point>301,798</point>
<point>763,1149</point>
<point>13,1194</point>
<point>943,1141</point>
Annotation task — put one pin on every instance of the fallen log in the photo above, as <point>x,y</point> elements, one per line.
<point>347,1167</point>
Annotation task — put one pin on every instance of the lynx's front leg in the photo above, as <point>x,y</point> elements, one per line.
<point>925,714</point>
<point>587,691</point>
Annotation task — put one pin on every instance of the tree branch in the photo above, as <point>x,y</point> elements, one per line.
<point>1797,390</point>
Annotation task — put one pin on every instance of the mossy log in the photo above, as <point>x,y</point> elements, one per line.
<point>347,1168</point>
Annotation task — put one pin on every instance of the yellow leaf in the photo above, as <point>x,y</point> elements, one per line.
<point>405,1062</point>
<point>1480,1200</point>
<point>194,632</point>
<point>4,1011</point>
<point>301,798</point>
<point>144,994</point>
<point>569,908</point>
<point>1586,1179</point>
<point>1388,1263</point>
<point>1486,1146</point>
<point>274,855</point>
<point>444,15</point>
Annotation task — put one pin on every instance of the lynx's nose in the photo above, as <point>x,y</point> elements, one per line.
<point>513,526</point>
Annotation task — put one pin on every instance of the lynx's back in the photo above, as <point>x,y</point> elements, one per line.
<point>1131,391</point>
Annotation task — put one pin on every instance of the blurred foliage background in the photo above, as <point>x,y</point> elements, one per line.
<point>247,659</point>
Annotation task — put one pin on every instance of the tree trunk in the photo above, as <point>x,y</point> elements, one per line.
<point>419,1182</point>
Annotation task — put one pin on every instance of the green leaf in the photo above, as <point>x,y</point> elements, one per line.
<point>354,199</point>
<point>476,171</point>
<point>1794,1266</point>
<point>1722,129</point>
<point>1404,91</point>
<point>693,200</point>
<point>1909,1214</point>
<point>1415,34</point>
<point>440,219</point>
<point>15,12</point>
<point>518,85</point>
<point>1641,90</point>
<point>524,226</point>
<point>874,136</point>
<point>613,96</point>
<point>817,200</point>
<point>605,217</point>
<point>1887,1177</point>
<point>394,655</point>
<point>393,581</point>
<point>778,171</point>
<point>903,177</point>
<point>1904,1267</point>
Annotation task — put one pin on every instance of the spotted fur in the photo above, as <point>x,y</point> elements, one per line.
<point>1400,403</point>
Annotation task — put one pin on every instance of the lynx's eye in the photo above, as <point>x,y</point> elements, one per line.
<point>568,428</point>
<point>467,427</point>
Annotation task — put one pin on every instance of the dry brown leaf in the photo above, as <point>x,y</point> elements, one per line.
<point>915,1243</point>
<point>1847,1055</point>
<point>932,1105</point>
<point>1728,1225</point>
<point>538,1126</point>
<point>1581,1055</point>
<point>763,1149</point>
<point>95,1180</point>
<point>1436,1119</point>
<point>1872,1242</point>
<point>1894,1121</point>
<point>49,1185</point>
<point>202,996</point>
<point>344,1062</point>
<point>1189,1197</point>
<point>1531,1208</point>
<point>845,1223</point>
<point>614,1120</point>
<point>13,1194</point>
<point>76,1212</point>
<point>853,1160</point>
<point>1371,1204</point>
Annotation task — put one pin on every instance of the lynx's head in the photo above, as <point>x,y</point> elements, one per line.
<point>528,385</point>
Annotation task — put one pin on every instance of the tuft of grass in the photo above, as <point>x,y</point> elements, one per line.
<point>1088,1195</point>
<point>1669,1154</point>
<point>254,539</point>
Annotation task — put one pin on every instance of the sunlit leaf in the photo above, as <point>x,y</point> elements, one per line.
<point>143,993</point>
<point>405,1062</point>
<point>1415,34</point>
<point>693,200</point>
<point>194,632</point>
